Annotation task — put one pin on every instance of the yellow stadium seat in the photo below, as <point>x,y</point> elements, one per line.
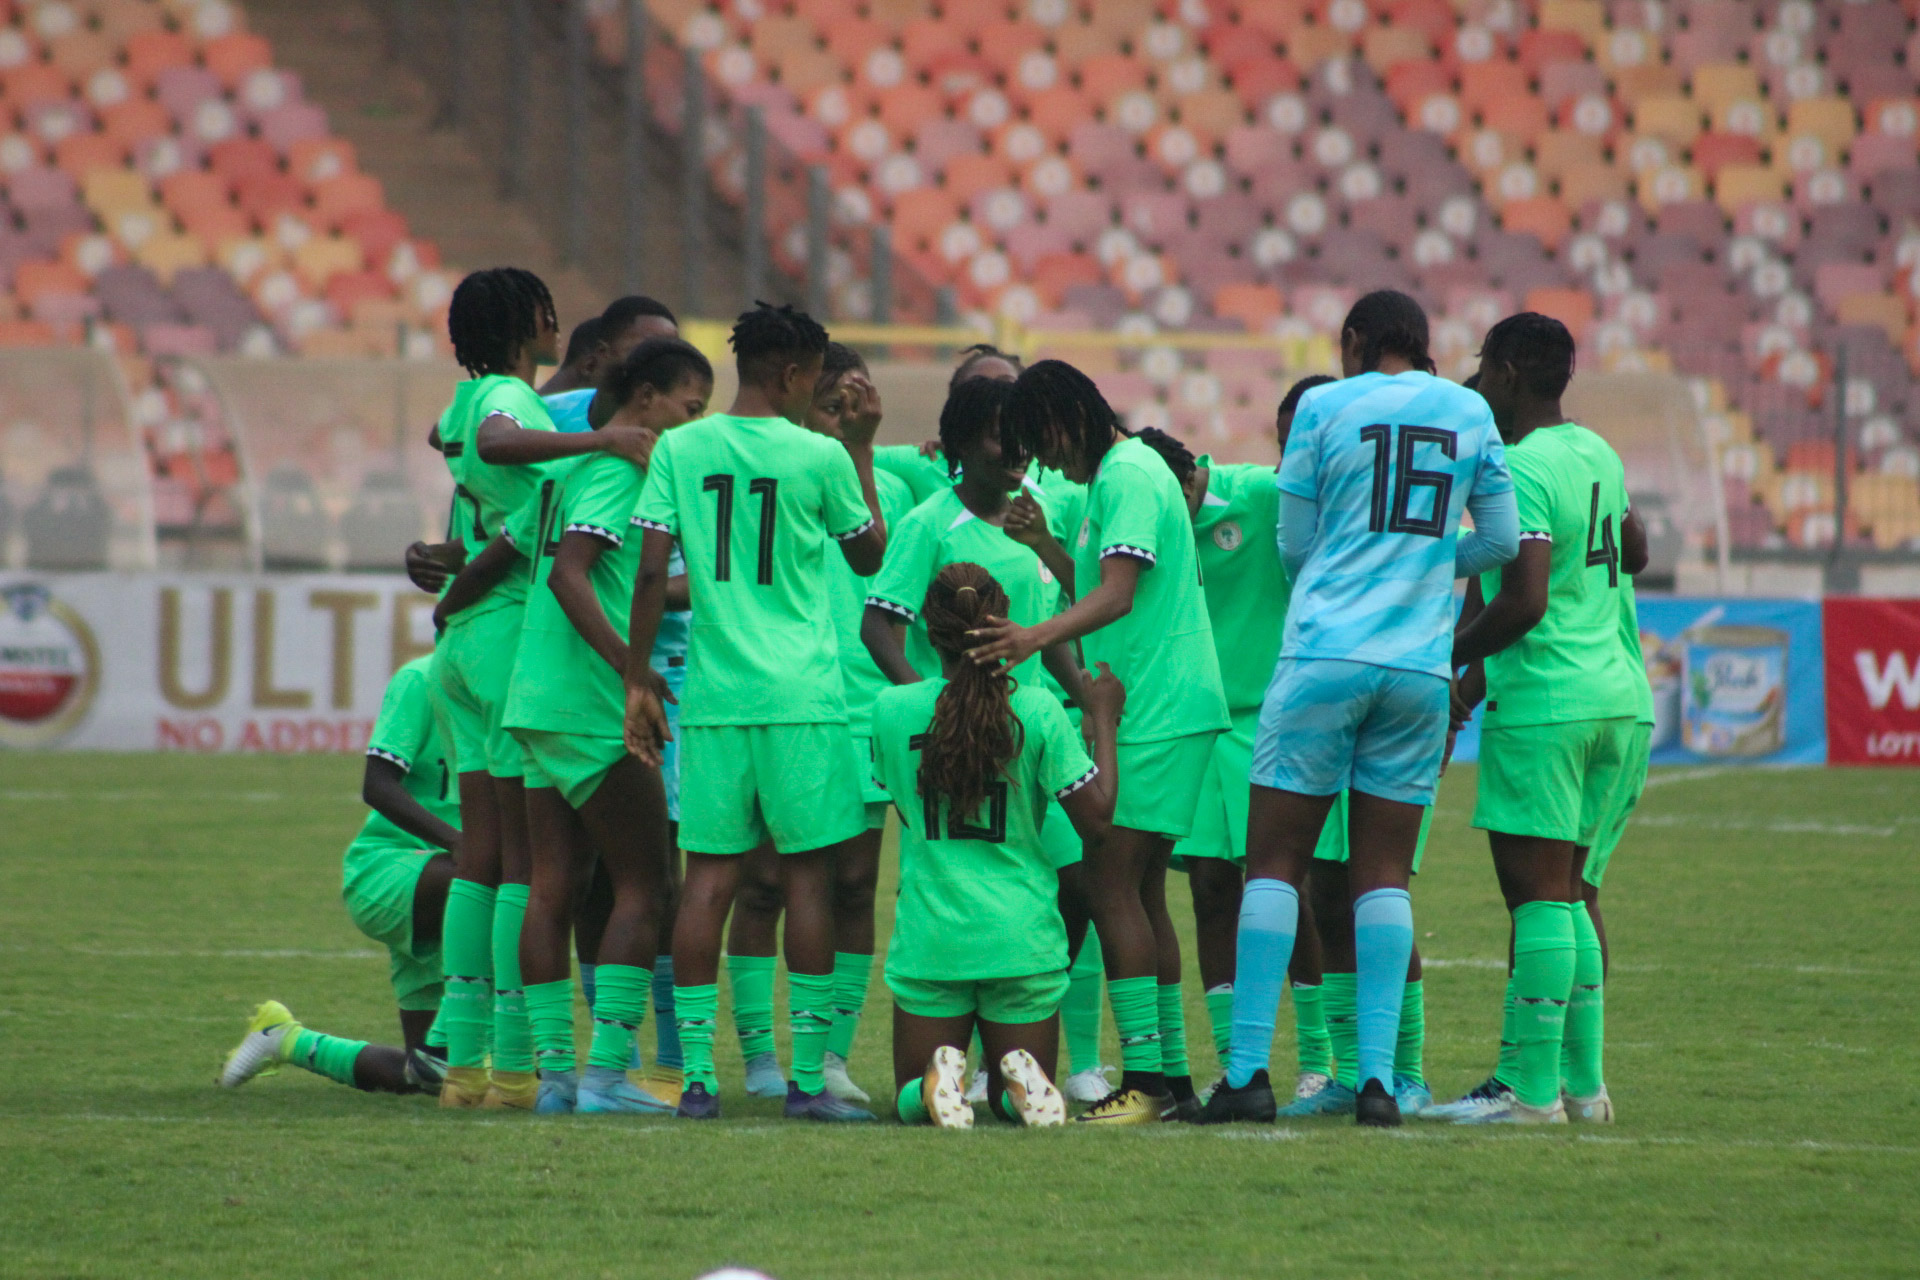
<point>1588,18</point>
<point>1744,184</point>
<point>1831,120</point>
<point>1715,84</point>
<point>1886,310</point>
<point>1384,46</point>
<point>1559,150</point>
<point>164,253</point>
<point>323,257</point>
<point>1583,183</point>
<point>115,191</point>
<point>1675,118</point>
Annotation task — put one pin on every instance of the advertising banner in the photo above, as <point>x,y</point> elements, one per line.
<point>202,662</point>
<point>1873,681</point>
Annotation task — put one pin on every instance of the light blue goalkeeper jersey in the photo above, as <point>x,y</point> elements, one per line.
<point>1391,462</point>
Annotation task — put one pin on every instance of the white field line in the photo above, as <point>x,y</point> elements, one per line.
<point>143,797</point>
<point>1686,775</point>
<point>1778,826</point>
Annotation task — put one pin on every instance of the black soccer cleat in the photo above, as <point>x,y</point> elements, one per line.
<point>697,1104</point>
<point>1376,1108</point>
<point>425,1070</point>
<point>1251,1103</point>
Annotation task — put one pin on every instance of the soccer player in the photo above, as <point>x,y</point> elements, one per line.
<point>1140,610</point>
<point>394,881</point>
<point>605,340</point>
<point>973,760</point>
<point>756,500</point>
<point>1563,697</point>
<point>922,467</point>
<point>1377,471</point>
<point>494,436</point>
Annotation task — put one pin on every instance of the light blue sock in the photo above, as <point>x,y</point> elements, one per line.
<point>1269,919</point>
<point>586,981</point>
<point>666,1030</point>
<point>1382,943</point>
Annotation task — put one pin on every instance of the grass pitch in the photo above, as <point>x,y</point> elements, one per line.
<point>1760,1044</point>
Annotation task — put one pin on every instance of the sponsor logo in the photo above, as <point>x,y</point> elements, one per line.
<point>1882,680</point>
<point>49,667</point>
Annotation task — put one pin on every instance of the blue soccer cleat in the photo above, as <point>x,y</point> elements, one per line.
<point>765,1079</point>
<point>1330,1099</point>
<point>1413,1095</point>
<point>607,1091</point>
<point>824,1107</point>
<point>559,1094</point>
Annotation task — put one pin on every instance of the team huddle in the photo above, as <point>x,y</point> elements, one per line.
<point>688,662</point>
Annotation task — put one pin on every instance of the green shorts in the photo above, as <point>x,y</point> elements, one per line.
<point>1626,799</point>
<point>1333,837</point>
<point>1220,814</point>
<point>1032,998</point>
<point>474,664</point>
<point>1553,781</point>
<point>573,763</point>
<point>377,880</point>
<point>872,794</point>
<point>741,784</point>
<point>1059,842</point>
<point>1160,783</point>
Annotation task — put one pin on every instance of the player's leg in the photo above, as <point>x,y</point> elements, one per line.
<point>1116,871</point>
<point>807,876</point>
<point>274,1037</point>
<point>1080,1008</point>
<point>856,876</point>
<point>467,942</point>
<point>753,945</point>
<point>1582,1061</point>
<point>930,1053</point>
<point>420,1028</point>
<point>1215,884</point>
<point>663,1079</point>
<point>512,1081</point>
<point>561,860</point>
<point>1169,993</point>
<point>1020,1043</point>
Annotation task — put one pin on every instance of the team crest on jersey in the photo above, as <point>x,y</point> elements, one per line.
<point>49,666</point>
<point>1046,575</point>
<point>1227,535</point>
<point>1086,531</point>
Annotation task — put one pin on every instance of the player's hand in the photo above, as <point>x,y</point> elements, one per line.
<point>930,450</point>
<point>1025,522</point>
<point>429,567</point>
<point>635,444</point>
<point>1002,640</point>
<point>1103,696</point>
<point>646,724</point>
<point>1447,758</point>
<point>860,413</point>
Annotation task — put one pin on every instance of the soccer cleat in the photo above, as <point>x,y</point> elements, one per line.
<point>1331,1099</point>
<point>1413,1096</point>
<point>1252,1102</point>
<point>839,1083</point>
<point>697,1104</point>
<point>559,1094</point>
<point>607,1091</point>
<point>1035,1100</point>
<point>425,1069</point>
<point>765,1079</point>
<point>1213,1087</point>
<point>1489,1093</point>
<point>1091,1085</point>
<point>1126,1106</point>
<point>664,1083</point>
<point>1511,1110</point>
<point>464,1087</point>
<point>512,1091</point>
<point>1310,1083</point>
<point>824,1107</point>
<point>977,1087</point>
<point>1374,1107</point>
<point>1597,1109</point>
<point>943,1091</point>
<point>1182,1110</point>
<point>262,1049</point>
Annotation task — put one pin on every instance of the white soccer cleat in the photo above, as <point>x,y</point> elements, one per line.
<point>1310,1084</point>
<point>839,1083</point>
<point>1513,1111</point>
<point>1597,1109</point>
<point>1035,1100</point>
<point>258,1053</point>
<point>977,1087</point>
<point>1488,1095</point>
<point>1089,1086</point>
<point>943,1090</point>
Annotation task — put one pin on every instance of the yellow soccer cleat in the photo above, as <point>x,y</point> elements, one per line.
<point>664,1083</point>
<point>510,1091</point>
<point>464,1088</point>
<point>264,1047</point>
<point>1125,1106</point>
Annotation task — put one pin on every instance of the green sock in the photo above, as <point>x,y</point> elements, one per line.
<point>1340,999</point>
<point>512,1037</point>
<point>329,1056</point>
<point>851,971</point>
<point>466,951</point>
<point>1220,1015</point>
<point>624,992</point>
<point>1507,1069</point>
<point>910,1106</point>
<point>550,1018</point>
<point>1173,1031</point>
<point>809,1018</point>
<point>752,978</point>
<point>1136,1015</point>
<point>1582,1054</point>
<point>437,1033</point>
<point>1543,962</point>
<point>697,1009</point>
<point>1310,1027</point>
<point>1410,1051</point>
<point>1080,1009</point>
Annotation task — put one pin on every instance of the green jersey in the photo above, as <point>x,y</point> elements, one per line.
<point>924,477</point>
<point>1162,651</point>
<point>942,531</point>
<point>1572,492</point>
<point>979,897</point>
<point>484,496</point>
<point>756,504</point>
<point>405,733</point>
<point>1247,588</point>
<point>1065,501</point>
<point>1630,642</point>
<point>849,604</point>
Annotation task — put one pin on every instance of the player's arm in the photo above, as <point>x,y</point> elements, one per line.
<point>1495,537</point>
<point>572,587</point>
<point>679,594</point>
<point>1062,662</point>
<point>1090,808</point>
<point>384,790</point>
<point>1515,610</point>
<point>1634,553</point>
<point>430,564</point>
<point>1026,524</point>
<point>866,549</point>
<point>480,576</point>
<point>880,632</point>
<point>1299,523</point>
<point>647,692</point>
<point>1003,640</point>
<point>1469,687</point>
<point>502,442</point>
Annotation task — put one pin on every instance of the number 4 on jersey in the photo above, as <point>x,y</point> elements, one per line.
<point>1608,552</point>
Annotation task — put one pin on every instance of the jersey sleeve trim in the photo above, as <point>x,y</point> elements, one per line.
<point>654,525</point>
<point>406,765</point>
<point>878,603</point>
<point>854,533</point>
<point>598,531</point>
<point>1092,772</point>
<point>1535,535</point>
<point>1124,549</point>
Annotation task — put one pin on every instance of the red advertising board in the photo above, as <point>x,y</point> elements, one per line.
<point>1873,681</point>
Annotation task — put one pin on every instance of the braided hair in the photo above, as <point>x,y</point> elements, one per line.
<point>973,408</point>
<point>660,363</point>
<point>1178,457</point>
<point>494,314</point>
<point>976,353</point>
<point>1389,322</point>
<point>1539,348</point>
<point>1056,411</point>
<point>974,735</point>
<point>767,339</point>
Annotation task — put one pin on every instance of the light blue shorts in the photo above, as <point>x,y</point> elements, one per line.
<point>676,678</point>
<point>1327,725</point>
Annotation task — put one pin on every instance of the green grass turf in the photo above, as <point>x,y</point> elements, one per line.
<point>1761,1039</point>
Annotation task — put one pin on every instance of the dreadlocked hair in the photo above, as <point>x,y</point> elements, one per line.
<point>839,361</point>
<point>1539,348</point>
<point>494,313</point>
<point>973,355</point>
<point>768,338</point>
<point>974,735</point>
<point>1054,404</point>
<point>973,408</point>
<point>1178,457</point>
<point>660,363</point>
<point>1389,322</point>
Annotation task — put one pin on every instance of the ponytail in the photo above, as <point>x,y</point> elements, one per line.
<point>974,735</point>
